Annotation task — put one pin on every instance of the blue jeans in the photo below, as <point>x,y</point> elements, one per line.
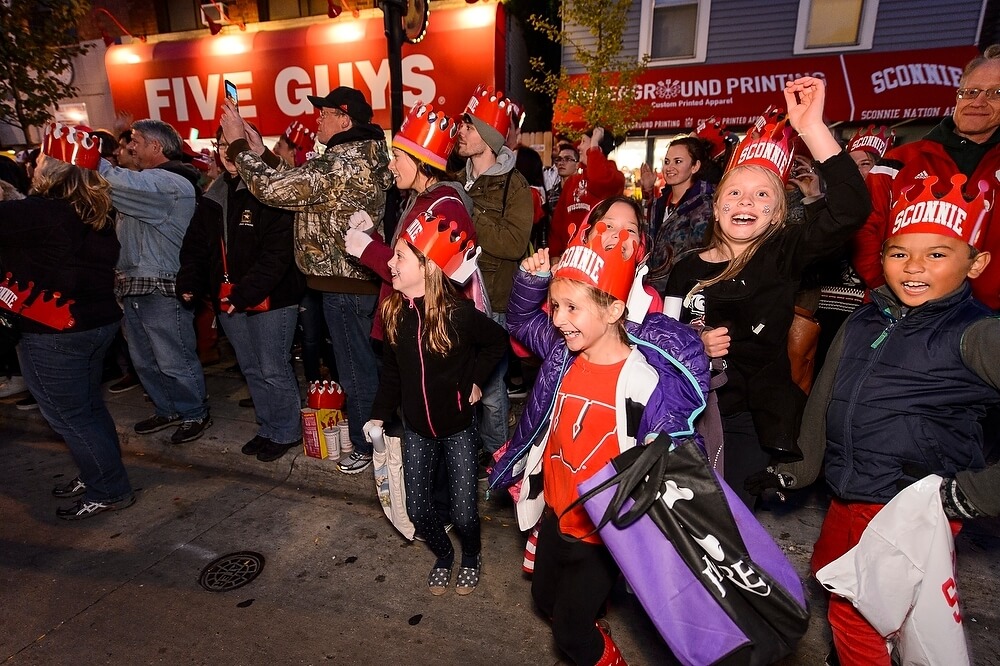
<point>349,319</point>
<point>314,340</point>
<point>262,343</point>
<point>161,342</point>
<point>421,457</point>
<point>63,373</point>
<point>495,403</point>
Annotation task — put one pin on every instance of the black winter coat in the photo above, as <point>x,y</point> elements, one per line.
<point>260,252</point>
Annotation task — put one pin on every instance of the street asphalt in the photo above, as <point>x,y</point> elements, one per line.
<point>339,584</point>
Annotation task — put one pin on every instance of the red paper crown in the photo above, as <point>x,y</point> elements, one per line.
<point>714,132</point>
<point>919,211</point>
<point>609,270</point>
<point>44,308</point>
<point>428,135</point>
<point>325,395</point>
<point>449,244</point>
<point>71,145</point>
<point>300,136</point>
<point>770,143</point>
<point>873,140</point>
<point>492,107</point>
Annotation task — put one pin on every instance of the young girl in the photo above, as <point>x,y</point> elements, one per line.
<point>604,386</point>
<point>741,287</point>
<point>439,351</point>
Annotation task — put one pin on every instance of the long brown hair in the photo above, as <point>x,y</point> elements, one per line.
<point>440,298</point>
<point>85,190</point>
<point>718,242</point>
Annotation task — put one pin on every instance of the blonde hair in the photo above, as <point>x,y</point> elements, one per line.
<point>718,241</point>
<point>440,298</point>
<point>84,189</point>
<point>602,301</point>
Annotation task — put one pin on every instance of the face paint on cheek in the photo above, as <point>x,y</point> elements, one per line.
<point>767,210</point>
<point>725,208</point>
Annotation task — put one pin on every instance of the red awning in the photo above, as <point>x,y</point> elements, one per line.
<point>876,87</point>
<point>180,82</point>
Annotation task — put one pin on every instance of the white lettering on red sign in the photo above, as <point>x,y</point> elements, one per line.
<point>913,74</point>
<point>292,85</point>
<point>584,260</point>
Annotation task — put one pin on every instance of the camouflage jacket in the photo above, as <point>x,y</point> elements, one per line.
<point>323,193</point>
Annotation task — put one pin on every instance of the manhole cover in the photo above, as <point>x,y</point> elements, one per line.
<point>231,571</point>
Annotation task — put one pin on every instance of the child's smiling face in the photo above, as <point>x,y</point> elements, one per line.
<point>922,267</point>
<point>747,204</point>
<point>586,326</point>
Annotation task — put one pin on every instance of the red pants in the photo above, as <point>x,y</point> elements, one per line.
<point>857,642</point>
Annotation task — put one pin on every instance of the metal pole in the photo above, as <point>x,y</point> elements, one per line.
<point>393,11</point>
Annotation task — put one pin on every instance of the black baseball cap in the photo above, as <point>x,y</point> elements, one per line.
<point>348,100</point>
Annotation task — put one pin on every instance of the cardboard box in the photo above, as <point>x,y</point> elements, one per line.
<point>313,423</point>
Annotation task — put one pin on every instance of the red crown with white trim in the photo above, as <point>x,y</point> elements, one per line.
<point>71,145</point>
<point>770,143</point>
<point>326,395</point>
<point>448,243</point>
<point>300,136</point>
<point>44,308</point>
<point>919,211</point>
<point>714,132</point>
<point>609,269</point>
<point>872,140</point>
<point>428,135</point>
<point>493,108</point>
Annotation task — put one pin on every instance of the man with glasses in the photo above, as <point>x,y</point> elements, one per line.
<point>966,144</point>
<point>351,175</point>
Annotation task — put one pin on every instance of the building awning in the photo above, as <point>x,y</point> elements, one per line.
<point>181,82</point>
<point>881,88</point>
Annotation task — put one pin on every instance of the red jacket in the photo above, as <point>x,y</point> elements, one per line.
<point>599,180</point>
<point>898,170</point>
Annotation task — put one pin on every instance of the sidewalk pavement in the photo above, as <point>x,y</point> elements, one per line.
<point>508,616</point>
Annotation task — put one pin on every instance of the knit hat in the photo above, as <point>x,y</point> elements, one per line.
<point>919,211</point>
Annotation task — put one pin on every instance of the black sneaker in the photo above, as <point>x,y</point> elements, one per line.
<point>70,489</point>
<point>154,423</point>
<point>255,445</point>
<point>517,391</point>
<point>127,382</point>
<point>24,404</point>
<point>87,508</point>
<point>191,430</point>
<point>272,450</point>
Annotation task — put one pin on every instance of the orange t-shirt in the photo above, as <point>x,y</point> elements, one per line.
<point>583,437</point>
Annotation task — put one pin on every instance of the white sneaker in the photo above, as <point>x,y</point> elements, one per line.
<point>12,385</point>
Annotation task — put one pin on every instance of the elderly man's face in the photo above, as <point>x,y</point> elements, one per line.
<point>976,118</point>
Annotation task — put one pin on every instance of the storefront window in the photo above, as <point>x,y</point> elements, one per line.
<point>183,15</point>
<point>826,25</point>
<point>286,9</point>
<point>675,30</point>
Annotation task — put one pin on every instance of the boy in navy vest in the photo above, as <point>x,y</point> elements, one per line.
<point>905,384</point>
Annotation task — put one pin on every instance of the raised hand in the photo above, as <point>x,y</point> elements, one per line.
<point>538,262</point>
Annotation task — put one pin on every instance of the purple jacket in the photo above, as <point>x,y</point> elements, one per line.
<point>672,406</point>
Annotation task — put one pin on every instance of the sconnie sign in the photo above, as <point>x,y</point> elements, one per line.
<point>884,86</point>
<point>181,82</point>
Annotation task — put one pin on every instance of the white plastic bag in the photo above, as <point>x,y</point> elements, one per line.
<point>901,578</point>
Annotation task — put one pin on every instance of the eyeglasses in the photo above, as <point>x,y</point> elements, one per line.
<point>326,113</point>
<point>974,93</point>
<point>560,160</point>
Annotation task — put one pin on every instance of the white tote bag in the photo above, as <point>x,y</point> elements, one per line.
<point>388,466</point>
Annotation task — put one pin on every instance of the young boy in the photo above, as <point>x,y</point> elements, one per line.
<point>902,392</point>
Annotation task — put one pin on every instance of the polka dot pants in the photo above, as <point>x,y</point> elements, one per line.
<point>420,460</point>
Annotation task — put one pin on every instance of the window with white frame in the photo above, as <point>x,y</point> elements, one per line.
<point>835,25</point>
<point>675,31</point>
